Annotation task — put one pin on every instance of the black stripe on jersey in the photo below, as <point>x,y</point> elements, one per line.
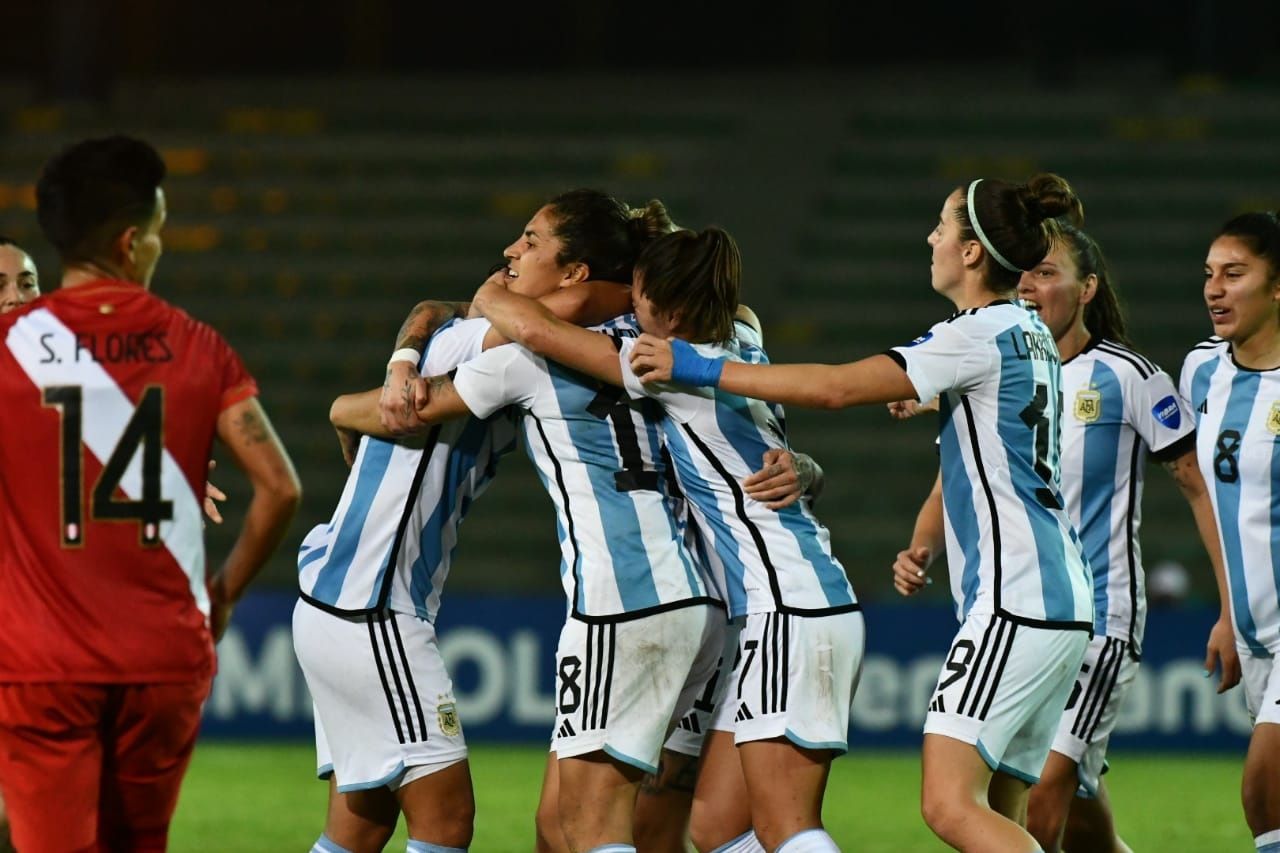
<point>382,676</point>
<point>993,661</point>
<point>998,573</point>
<point>1171,452</point>
<point>568,516</point>
<point>1056,624</point>
<point>1127,355</point>
<point>1096,679</point>
<point>740,509</point>
<point>1212,342</point>
<point>395,676</point>
<point>768,664</point>
<point>408,676</point>
<point>1129,520</point>
<point>1121,349</point>
<point>897,358</point>
<point>1106,697</point>
<point>587,681</point>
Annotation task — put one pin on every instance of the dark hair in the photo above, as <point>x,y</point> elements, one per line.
<point>1104,316</point>
<point>1018,222</point>
<point>598,230</point>
<point>88,193</point>
<point>695,275</point>
<point>8,241</point>
<point>1260,232</point>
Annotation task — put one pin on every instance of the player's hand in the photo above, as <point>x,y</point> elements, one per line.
<point>1221,652</point>
<point>778,483</point>
<point>220,606</point>
<point>904,409</point>
<point>651,359</point>
<point>399,402</point>
<point>213,493</point>
<point>909,570</point>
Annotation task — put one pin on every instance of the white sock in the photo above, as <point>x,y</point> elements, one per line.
<point>613,848</point>
<point>809,841</point>
<point>324,844</point>
<point>1268,842</point>
<point>744,843</point>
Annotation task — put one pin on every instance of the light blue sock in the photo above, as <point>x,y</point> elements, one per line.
<point>325,844</point>
<point>613,848</point>
<point>427,847</point>
<point>1268,842</point>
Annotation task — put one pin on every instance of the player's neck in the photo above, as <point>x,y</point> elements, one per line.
<point>1073,341</point>
<point>1259,351</point>
<point>78,274</point>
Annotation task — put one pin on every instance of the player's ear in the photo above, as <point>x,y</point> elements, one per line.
<point>1090,289</point>
<point>575,273</point>
<point>125,244</point>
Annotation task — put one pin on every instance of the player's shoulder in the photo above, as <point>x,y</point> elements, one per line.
<point>1212,347</point>
<point>1123,360</point>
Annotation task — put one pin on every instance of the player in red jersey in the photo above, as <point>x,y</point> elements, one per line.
<point>107,652</point>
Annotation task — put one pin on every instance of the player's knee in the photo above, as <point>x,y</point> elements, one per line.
<point>549,835</point>
<point>944,814</point>
<point>1255,791</point>
<point>1045,816</point>
<point>709,830</point>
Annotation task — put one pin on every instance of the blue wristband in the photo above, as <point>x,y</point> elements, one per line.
<point>689,368</point>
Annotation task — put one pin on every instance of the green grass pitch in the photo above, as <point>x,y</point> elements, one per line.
<point>264,797</point>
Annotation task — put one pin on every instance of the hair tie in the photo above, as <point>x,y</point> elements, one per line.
<point>982,238</point>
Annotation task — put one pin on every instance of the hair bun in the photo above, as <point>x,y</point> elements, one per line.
<point>1048,196</point>
<point>650,221</point>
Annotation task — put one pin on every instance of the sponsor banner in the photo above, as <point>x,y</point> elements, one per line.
<point>500,651</point>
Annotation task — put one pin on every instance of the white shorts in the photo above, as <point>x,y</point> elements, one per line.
<point>385,712</point>
<point>1104,680</point>
<point>794,677</point>
<point>619,684</point>
<point>1261,677</point>
<point>1003,688</point>
<point>708,678</point>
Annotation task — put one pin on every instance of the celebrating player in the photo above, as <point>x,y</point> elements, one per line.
<point>1017,569</point>
<point>1232,384</point>
<point>800,646</point>
<point>109,616</point>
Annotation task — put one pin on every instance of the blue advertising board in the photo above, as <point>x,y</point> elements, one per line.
<point>500,652</point>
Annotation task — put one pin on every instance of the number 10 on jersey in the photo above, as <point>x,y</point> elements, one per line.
<point>145,429</point>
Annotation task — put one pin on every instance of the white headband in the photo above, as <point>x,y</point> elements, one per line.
<point>982,238</point>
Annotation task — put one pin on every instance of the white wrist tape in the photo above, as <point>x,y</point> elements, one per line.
<point>406,354</point>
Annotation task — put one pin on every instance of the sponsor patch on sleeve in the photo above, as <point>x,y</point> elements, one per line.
<point>1168,412</point>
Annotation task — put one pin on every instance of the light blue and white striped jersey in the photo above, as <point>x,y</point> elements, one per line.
<point>390,542</point>
<point>599,457</point>
<point>1118,407</point>
<point>1237,414</point>
<point>1011,549</point>
<point>761,560</point>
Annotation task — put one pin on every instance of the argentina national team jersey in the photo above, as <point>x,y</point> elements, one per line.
<point>599,458</point>
<point>1237,414</point>
<point>1118,408</point>
<point>1011,549</point>
<point>760,560</point>
<point>391,539</point>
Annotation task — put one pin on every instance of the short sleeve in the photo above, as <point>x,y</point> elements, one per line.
<point>631,383</point>
<point>946,358</point>
<point>237,384</point>
<point>456,342</point>
<point>1158,413</point>
<point>505,375</point>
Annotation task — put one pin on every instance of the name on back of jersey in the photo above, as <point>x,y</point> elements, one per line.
<point>1034,345</point>
<point>113,347</point>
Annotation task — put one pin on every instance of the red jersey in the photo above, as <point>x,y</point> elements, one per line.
<point>109,398</point>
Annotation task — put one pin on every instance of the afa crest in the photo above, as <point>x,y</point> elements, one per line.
<point>447,714</point>
<point>1088,405</point>
<point>1273,419</point>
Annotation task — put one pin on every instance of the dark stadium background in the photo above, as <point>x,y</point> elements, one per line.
<point>332,163</point>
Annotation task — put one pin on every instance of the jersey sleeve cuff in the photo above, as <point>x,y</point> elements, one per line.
<point>238,394</point>
<point>1170,452</point>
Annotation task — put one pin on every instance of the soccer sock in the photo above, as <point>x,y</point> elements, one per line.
<point>613,848</point>
<point>1268,842</point>
<point>325,844</point>
<point>809,841</point>
<point>744,843</point>
<point>427,847</point>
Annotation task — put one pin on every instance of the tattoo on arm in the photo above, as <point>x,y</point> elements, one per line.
<point>252,428</point>
<point>410,334</point>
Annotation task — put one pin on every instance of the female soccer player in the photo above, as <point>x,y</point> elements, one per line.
<point>1232,383</point>
<point>1119,410</point>
<point>1017,569</point>
<point>800,647</point>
